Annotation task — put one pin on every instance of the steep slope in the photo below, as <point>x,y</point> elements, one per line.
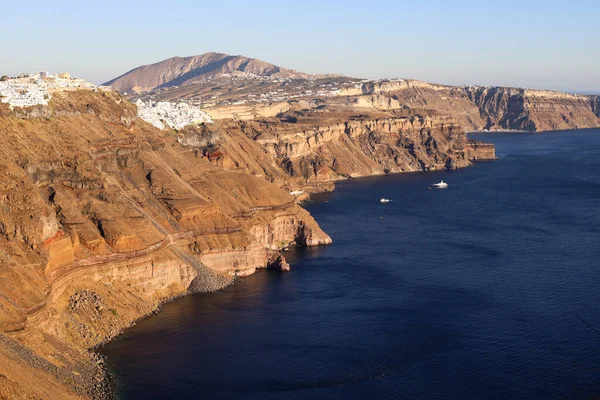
<point>313,152</point>
<point>533,110</point>
<point>595,101</point>
<point>103,217</point>
<point>181,71</point>
<point>477,108</point>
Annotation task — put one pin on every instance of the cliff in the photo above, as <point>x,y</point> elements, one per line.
<point>483,108</point>
<point>104,217</point>
<point>243,88</point>
<point>533,110</point>
<point>595,103</point>
<point>314,151</point>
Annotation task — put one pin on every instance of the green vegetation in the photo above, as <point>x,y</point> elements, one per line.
<point>3,78</point>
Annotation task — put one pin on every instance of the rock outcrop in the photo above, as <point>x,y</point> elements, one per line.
<point>595,103</point>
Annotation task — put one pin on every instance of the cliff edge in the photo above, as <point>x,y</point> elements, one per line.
<point>104,217</point>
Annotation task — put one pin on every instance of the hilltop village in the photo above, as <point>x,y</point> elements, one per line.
<point>35,89</point>
<point>28,90</point>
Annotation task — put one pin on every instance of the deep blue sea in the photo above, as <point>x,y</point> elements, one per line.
<point>489,289</point>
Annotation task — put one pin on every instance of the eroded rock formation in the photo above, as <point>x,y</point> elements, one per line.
<point>490,108</point>
<point>104,217</point>
<point>533,110</point>
<point>311,153</point>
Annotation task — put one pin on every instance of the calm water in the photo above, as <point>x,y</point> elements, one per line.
<point>488,289</point>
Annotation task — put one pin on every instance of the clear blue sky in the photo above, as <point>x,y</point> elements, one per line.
<point>541,44</point>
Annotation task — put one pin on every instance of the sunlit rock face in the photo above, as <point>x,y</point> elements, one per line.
<point>533,110</point>
<point>104,217</point>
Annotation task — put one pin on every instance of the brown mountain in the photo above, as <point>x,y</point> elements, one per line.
<point>181,71</point>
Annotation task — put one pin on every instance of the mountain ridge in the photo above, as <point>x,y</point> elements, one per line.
<point>181,71</point>
<point>240,87</point>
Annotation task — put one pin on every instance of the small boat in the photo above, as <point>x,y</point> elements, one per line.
<point>440,184</point>
<point>385,200</point>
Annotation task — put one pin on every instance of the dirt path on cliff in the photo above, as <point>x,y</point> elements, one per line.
<point>161,162</point>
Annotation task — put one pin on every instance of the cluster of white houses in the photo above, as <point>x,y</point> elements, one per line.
<point>28,90</point>
<point>34,89</point>
<point>175,115</point>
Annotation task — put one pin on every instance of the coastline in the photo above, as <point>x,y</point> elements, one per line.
<point>134,228</point>
<point>342,285</point>
<point>109,381</point>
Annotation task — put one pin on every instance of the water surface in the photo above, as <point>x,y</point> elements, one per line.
<point>487,289</point>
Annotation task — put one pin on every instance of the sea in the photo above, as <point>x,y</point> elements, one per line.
<point>488,289</point>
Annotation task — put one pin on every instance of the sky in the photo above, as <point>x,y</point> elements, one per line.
<point>536,44</point>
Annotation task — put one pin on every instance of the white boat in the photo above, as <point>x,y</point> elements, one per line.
<point>440,184</point>
<point>385,200</point>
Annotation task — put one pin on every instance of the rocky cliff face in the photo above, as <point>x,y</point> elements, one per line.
<point>595,103</point>
<point>499,107</point>
<point>310,154</point>
<point>478,108</point>
<point>533,110</point>
<point>103,217</point>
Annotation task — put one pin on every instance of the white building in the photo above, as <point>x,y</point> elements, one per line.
<point>37,89</point>
<point>175,115</point>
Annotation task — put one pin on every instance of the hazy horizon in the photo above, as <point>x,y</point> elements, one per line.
<point>542,45</point>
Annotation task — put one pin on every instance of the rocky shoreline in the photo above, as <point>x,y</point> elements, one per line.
<point>101,383</point>
<point>128,217</point>
<point>92,380</point>
<point>208,283</point>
